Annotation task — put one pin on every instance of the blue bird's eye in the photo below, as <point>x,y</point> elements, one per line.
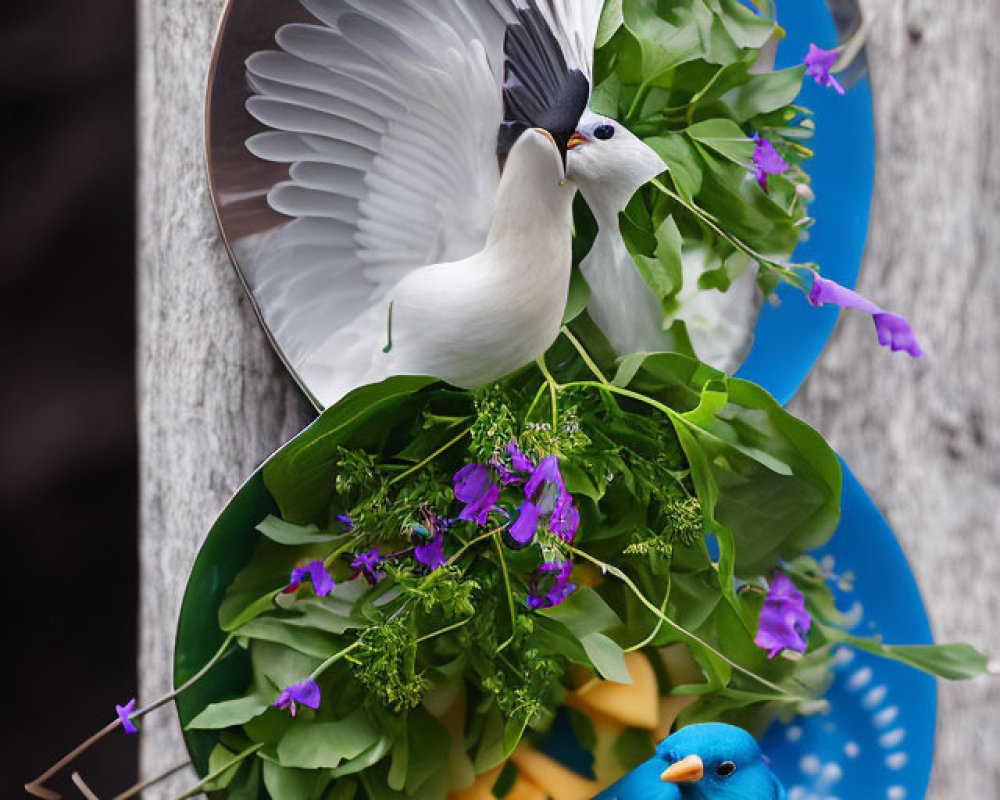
<point>604,132</point>
<point>725,769</point>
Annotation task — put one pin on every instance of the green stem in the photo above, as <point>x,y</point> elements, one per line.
<point>332,660</point>
<point>444,449</point>
<point>139,788</point>
<point>444,630</point>
<point>785,270</point>
<point>659,622</point>
<point>465,547</point>
<point>640,98</point>
<point>222,652</point>
<point>608,568</point>
<point>220,771</point>
<point>553,390</point>
<point>510,594</point>
<point>698,97</point>
<point>585,355</point>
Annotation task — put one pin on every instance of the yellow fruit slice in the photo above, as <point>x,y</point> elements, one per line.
<point>634,705</point>
<point>557,781</point>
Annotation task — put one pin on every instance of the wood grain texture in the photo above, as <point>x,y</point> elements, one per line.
<point>922,437</point>
<point>213,400</point>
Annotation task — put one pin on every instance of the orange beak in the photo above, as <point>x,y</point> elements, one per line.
<point>690,770</point>
<point>575,141</point>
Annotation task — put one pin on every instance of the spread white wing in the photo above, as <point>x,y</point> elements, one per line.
<point>388,113</point>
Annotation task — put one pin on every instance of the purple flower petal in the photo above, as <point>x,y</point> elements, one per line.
<point>305,693</point>
<point>825,291</point>
<point>548,592</point>
<point>520,461</point>
<point>347,521</point>
<point>471,482</point>
<point>474,487</point>
<point>784,621</point>
<point>316,572</point>
<point>431,554</point>
<point>767,161</point>
<point>893,331</point>
<point>565,519</point>
<point>479,510</point>
<point>367,564</point>
<point>526,525</point>
<point>125,715</point>
<point>545,486</point>
<point>818,65</point>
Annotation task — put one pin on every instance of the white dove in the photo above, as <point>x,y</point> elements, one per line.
<point>391,114</point>
<point>408,254</point>
<point>610,164</point>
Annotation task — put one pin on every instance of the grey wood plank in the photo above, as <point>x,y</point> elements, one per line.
<point>213,400</point>
<point>923,437</point>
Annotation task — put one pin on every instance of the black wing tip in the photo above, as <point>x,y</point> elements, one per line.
<point>540,90</point>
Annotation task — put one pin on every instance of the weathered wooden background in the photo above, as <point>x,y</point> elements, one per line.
<point>922,437</point>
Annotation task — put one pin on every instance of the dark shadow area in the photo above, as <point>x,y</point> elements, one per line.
<point>67,417</point>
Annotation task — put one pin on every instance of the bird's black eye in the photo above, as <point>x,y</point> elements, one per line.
<point>604,132</point>
<point>725,769</point>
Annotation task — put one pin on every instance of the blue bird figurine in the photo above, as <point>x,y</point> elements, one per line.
<point>701,762</point>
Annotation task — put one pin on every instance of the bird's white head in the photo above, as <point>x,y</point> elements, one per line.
<point>609,164</point>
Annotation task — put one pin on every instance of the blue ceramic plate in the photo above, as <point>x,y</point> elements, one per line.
<point>876,742</point>
<point>791,335</point>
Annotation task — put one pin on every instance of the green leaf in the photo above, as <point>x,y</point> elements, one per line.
<point>724,137</point>
<point>301,475</point>
<point>765,93</point>
<point>229,713</point>
<point>217,759</point>
<point>277,530</point>
<point>290,784</point>
<point>607,657</point>
<point>367,759</point>
<point>584,612</point>
<point>325,745</point>
<point>611,20</point>
<point>303,640</point>
<point>956,662</point>
<point>579,296</point>
<point>682,161</point>
<point>429,744</point>
<point>747,28</point>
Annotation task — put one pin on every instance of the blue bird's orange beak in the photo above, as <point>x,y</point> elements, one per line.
<point>688,770</point>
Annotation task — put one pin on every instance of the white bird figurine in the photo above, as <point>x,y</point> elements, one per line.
<point>432,214</point>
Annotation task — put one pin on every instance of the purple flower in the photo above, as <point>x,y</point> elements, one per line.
<point>766,161</point>
<point>305,693</point>
<point>550,586</point>
<point>316,571</point>
<point>125,713</point>
<point>545,486</point>
<point>347,521</point>
<point>368,564</point>
<point>525,526</point>
<point>565,519</point>
<point>521,465</point>
<point>784,621</point>
<point>818,65</point>
<point>474,486</point>
<point>894,332</point>
<point>518,459</point>
<point>431,552</point>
